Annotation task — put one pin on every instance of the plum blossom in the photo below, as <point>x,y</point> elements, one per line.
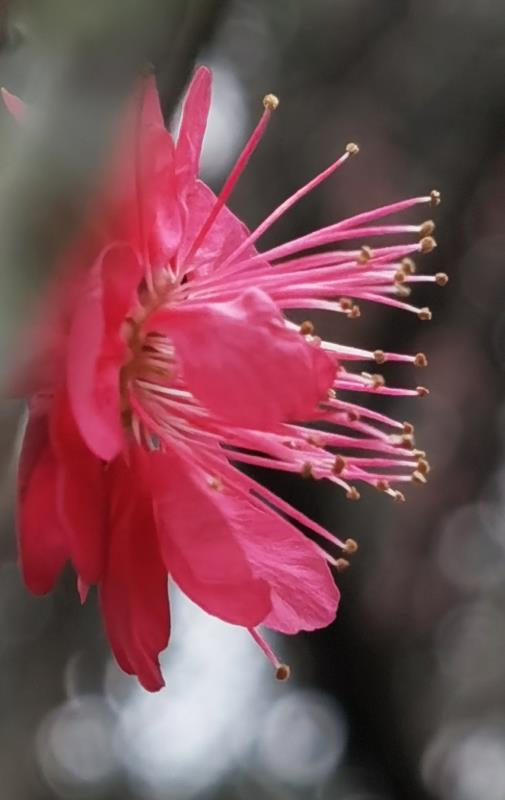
<point>165,359</point>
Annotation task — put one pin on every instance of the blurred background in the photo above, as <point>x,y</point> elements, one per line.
<point>403,698</point>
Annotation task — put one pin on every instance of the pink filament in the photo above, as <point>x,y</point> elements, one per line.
<point>231,181</point>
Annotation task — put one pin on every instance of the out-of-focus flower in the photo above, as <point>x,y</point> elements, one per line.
<point>164,360</point>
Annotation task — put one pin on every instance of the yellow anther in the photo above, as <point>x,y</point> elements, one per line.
<point>307,328</point>
<point>339,465</point>
<point>408,266</point>
<point>352,148</point>
<point>427,244</point>
<point>283,672</point>
<point>427,228</point>
<point>270,102</point>
<point>365,254</point>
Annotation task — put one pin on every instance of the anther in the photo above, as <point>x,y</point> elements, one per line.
<point>353,416</point>
<point>283,672</point>
<point>408,266</point>
<point>402,290</point>
<point>350,547</point>
<point>307,328</point>
<point>436,198</point>
<point>426,228</point>
<point>408,428</point>
<point>355,312</point>
<point>427,244</point>
<point>270,102</point>
<point>352,148</point>
<point>418,477</point>
<point>382,485</point>
<point>378,381</point>
<point>424,313</point>
<point>399,497</point>
<point>407,441</point>
<point>379,356</point>
<point>399,276</point>
<point>422,391</point>
<point>366,253</point>
<point>420,360</point>
<point>339,465</point>
<point>423,466</point>
<point>353,494</point>
<point>419,453</point>
<point>342,564</point>
<point>306,470</point>
<point>345,304</point>
<point>441,279</point>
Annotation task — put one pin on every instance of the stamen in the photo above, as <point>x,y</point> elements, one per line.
<point>427,244</point>
<point>365,255</point>
<point>427,228</point>
<point>307,328</point>
<point>270,103</point>
<point>420,360</point>
<point>424,313</point>
<point>441,279</point>
<point>436,198</point>
<point>282,671</point>
<point>350,547</point>
<point>339,465</point>
<point>408,266</point>
<point>351,149</point>
<point>342,564</point>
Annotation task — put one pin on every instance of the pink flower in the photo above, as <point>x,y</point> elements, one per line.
<point>165,361</point>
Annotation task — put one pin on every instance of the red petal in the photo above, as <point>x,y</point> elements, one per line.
<point>197,526</point>
<point>192,130</point>
<point>304,594</point>
<point>252,371</point>
<point>97,350</point>
<point>81,493</point>
<point>42,544</point>
<point>223,238</point>
<point>134,590</point>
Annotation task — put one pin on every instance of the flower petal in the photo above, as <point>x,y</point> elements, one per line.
<point>16,107</point>
<point>192,130</point>
<point>80,492</point>
<point>197,526</point>
<point>225,235</point>
<point>43,547</point>
<point>303,591</point>
<point>134,594</point>
<point>97,350</point>
<point>253,370</point>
